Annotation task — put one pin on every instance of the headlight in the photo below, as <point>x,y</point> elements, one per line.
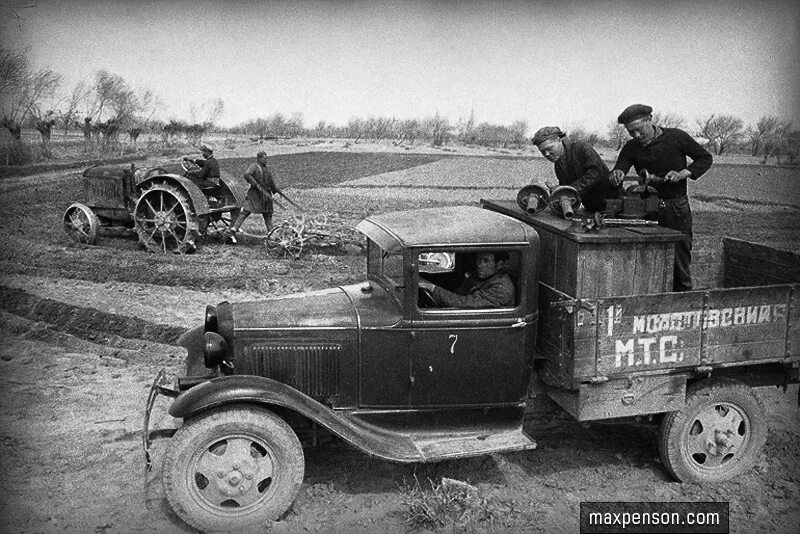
<point>216,348</point>
<point>211,318</point>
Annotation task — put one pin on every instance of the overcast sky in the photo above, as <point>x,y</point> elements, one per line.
<point>548,63</point>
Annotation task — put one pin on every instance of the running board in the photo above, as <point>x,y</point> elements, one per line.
<point>463,446</point>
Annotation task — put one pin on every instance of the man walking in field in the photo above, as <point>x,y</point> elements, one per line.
<point>662,153</point>
<point>259,196</point>
<point>576,164</point>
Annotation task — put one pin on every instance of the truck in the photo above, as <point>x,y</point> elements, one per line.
<point>594,325</point>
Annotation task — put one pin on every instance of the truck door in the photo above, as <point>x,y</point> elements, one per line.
<point>462,356</point>
<point>469,360</point>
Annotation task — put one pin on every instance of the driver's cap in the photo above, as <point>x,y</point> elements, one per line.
<point>204,147</point>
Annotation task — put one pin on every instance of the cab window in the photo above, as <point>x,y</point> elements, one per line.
<point>468,279</point>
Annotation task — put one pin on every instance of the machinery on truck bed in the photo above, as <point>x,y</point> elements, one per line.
<point>167,210</point>
<point>593,324</point>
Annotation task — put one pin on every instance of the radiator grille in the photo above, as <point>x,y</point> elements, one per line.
<point>312,369</point>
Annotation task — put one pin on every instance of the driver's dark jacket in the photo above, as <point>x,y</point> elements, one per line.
<point>209,169</point>
<point>493,292</point>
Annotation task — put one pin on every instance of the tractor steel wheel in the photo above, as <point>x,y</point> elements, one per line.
<point>81,224</point>
<point>717,435</point>
<point>233,468</point>
<point>164,219</point>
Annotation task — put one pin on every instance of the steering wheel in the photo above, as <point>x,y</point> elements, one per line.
<point>426,299</point>
<point>189,166</point>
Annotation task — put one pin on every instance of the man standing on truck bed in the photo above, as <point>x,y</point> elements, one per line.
<point>492,289</point>
<point>577,164</point>
<point>662,152</point>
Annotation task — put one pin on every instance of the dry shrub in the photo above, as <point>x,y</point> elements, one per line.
<point>456,505</point>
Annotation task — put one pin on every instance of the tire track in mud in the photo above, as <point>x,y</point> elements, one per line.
<point>85,323</point>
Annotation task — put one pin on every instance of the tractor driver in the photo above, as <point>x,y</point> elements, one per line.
<point>493,288</point>
<point>207,176</point>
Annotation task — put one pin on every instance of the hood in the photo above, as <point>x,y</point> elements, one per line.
<point>328,308</point>
<point>369,305</point>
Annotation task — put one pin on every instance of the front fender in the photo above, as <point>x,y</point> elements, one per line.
<point>195,345</point>
<point>374,440</point>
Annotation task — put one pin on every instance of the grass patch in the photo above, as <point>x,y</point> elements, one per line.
<point>456,505</point>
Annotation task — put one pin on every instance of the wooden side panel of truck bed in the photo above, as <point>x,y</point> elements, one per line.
<point>718,327</point>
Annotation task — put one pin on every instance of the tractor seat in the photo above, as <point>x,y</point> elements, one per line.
<point>210,190</point>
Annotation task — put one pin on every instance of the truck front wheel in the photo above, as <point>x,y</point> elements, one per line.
<point>717,435</point>
<point>233,468</point>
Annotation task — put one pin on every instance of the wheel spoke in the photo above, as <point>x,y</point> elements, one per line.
<point>149,205</point>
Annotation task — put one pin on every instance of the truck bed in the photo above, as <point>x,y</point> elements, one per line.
<point>604,353</point>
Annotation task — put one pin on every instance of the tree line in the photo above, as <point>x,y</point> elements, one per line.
<point>111,115</point>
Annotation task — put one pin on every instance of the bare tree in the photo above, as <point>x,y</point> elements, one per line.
<point>518,131</point>
<point>215,109</point>
<point>118,103</point>
<point>767,137</point>
<point>617,135</point>
<point>22,91</point>
<point>409,130</point>
<point>579,132</point>
<point>668,120</point>
<point>70,112</point>
<point>721,131</point>
<point>438,128</point>
<point>465,128</point>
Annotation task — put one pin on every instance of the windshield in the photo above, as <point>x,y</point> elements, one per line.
<point>382,264</point>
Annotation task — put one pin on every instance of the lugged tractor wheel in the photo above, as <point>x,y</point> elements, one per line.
<point>81,224</point>
<point>233,468</point>
<point>164,219</point>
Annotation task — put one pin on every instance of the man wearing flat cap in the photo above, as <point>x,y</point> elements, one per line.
<point>663,153</point>
<point>576,164</point>
<point>207,176</point>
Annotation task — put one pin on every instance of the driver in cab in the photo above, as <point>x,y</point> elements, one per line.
<point>490,287</point>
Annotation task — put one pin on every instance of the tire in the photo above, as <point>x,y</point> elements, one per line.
<point>233,468</point>
<point>717,435</point>
<point>165,220</point>
<point>81,224</point>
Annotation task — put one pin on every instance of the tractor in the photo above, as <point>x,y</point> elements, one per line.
<point>167,211</point>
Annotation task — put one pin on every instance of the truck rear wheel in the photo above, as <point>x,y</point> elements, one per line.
<point>233,468</point>
<point>717,435</point>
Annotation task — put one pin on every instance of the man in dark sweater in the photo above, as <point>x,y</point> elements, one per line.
<point>662,152</point>
<point>577,164</point>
